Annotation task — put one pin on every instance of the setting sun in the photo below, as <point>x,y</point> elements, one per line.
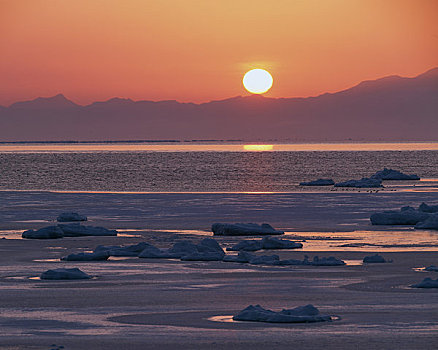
<point>257,81</point>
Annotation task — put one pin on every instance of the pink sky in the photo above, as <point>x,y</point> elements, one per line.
<point>199,50</point>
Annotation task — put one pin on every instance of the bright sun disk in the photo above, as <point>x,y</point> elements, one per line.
<point>257,81</point>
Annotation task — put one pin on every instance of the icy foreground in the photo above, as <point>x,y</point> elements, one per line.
<point>240,229</point>
<point>168,304</point>
<point>300,314</point>
<point>64,274</point>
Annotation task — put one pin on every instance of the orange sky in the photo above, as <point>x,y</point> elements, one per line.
<point>199,50</point>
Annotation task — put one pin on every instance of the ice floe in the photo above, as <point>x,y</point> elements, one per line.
<point>242,257</point>
<point>242,229</point>
<point>77,230</point>
<point>404,216</point>
<point>157,253</point>
<point>300,314</point>
<point>265,260</point>
<point>99,256</point>
<point>64,274</point>
<point>390,174</point>
<point>428,208</point>
<point>49,232</point>
<point>207,250</point>
<point>319,182</point>
<point>365,182</point>
<point>375,259</point>
<point>429,223</point>
<point>274,260</point>
<point>426,283</point>
<point>67,230</point>
<point>432,268</point>
<point>265,243</point>
<point>65,217</point>
<point>330,261</point>
<point>120,250</point>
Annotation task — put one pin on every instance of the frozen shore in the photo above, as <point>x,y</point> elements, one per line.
<point>137,303</point>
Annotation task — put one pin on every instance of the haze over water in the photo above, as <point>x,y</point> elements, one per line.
<point>194,167</point>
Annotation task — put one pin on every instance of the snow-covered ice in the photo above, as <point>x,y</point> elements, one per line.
<point>67,230</point>
<point>405,216</point>
<point>98,256</point>
<point>432,268</point>
<point>374,259</point>
<point>426,283</point>
<point>390,174</point>
<point>265,260</point>
<point>430,223</point>
<point>49,232</point>
<point>64,274</point>
<point>207,250</point>
<point>319,182</point>
<point>330,261</point>
<point>65,217</point>
<point>428,208</point>
<point>77,230</point>
<point>300,314</point>
<point>242,229</point>
<point>265,243</point>
<point>127,250</point>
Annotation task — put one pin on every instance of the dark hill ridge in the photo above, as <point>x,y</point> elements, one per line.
<point>387,109</point>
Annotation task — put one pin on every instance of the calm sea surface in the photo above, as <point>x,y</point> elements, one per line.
<point>186,167</point>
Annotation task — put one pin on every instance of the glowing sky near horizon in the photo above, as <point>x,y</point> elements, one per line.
<point>199,50</point>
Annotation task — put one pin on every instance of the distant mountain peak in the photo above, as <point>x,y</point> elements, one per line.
<point>52,102</point>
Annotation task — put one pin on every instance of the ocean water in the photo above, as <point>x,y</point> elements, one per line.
<point>204,168</point>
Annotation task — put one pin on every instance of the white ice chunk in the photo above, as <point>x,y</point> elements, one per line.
<point>49,232</point>
<point>374,259</point>
<point>428,208</point>
<point>404,216</point>
<point>319,182</point>
<point>426,283</point>
<point>429,223</point>
<point>390,174</point>
<point>307,313</point>
<point>77,230</point>
<point>241,229</point>
<point>99,256</point>
<point>65,217</point>
<point>64,274</point>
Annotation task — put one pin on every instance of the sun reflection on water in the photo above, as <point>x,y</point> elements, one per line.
<point>258,148</point>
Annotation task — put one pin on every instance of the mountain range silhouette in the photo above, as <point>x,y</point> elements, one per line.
<point>392,108</point>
